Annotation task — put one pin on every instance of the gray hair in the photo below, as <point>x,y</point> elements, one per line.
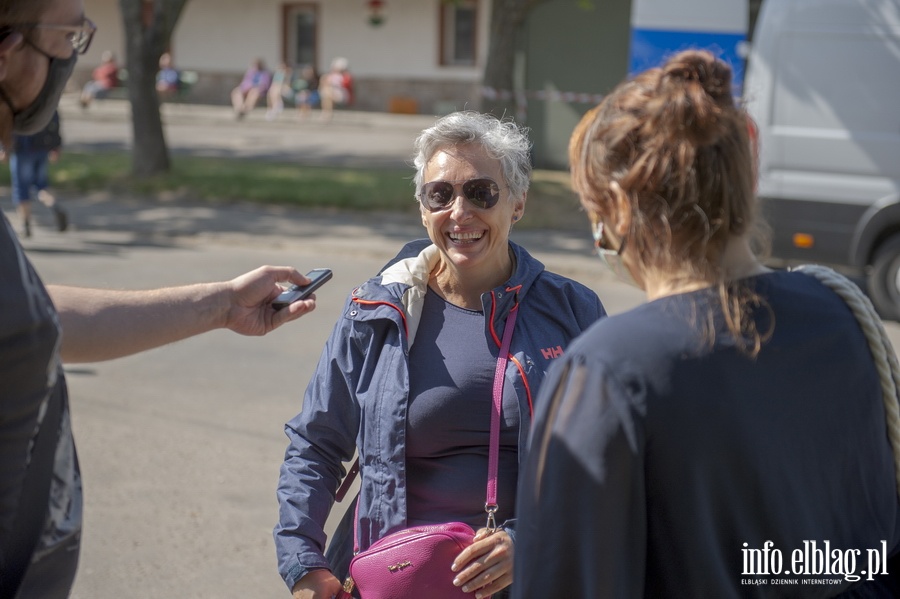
<point>501,139</point>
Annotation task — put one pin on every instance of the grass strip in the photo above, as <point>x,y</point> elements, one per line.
<point>551,203</point>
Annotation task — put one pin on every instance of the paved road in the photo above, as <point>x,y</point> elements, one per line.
<point>180,446</point>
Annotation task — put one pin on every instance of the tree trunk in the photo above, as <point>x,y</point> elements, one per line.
<point>507,17</point>
<point>148,28</point>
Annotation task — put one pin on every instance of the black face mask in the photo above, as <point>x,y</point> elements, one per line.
<point>34,117</point>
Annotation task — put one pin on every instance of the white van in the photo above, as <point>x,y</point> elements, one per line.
<point>823,85</point>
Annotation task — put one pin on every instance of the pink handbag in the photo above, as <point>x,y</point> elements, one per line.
<point>415,562</point>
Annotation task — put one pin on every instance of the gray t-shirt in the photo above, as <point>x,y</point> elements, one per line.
<point>30,372</point>
<point>448,425</point>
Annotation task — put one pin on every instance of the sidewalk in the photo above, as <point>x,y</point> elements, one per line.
<point>351,138</point>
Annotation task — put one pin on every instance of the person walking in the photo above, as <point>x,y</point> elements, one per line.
<point>29,160</point>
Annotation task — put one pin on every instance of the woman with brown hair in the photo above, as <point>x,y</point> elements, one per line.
<point>708,442</point>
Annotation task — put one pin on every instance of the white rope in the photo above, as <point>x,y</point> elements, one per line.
<point>879,344</point>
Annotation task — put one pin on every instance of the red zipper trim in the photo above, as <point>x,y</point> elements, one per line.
<point>390,305</point>
<point>527,386</point>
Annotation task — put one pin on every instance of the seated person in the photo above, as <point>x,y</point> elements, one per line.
<point>104,78</point>
<point>279,89</point>
<point>336,87</point>
<point>306,87</point>
<point>253,86</point>
<point>167,78</point>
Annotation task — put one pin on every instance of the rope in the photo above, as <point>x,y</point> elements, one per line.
<point>550,95</point>
<point>553,95</point>
<point>882,351</point>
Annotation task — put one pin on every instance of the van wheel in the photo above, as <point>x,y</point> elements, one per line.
<point>884,279</point>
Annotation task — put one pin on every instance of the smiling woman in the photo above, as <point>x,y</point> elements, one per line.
<point>409,371</point>
<point>472,182</point>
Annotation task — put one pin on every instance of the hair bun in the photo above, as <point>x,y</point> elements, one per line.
<point>693,90</point>
<point>700,66</point>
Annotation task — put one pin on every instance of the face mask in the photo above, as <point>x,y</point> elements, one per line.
<point>612,258</point>
<point>34,117</point>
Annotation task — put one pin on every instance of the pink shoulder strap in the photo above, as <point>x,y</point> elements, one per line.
<point>490,503</point>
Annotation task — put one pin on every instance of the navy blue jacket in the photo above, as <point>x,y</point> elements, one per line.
<point>358,397</point>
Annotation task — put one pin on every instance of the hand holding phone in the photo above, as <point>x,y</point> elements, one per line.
<point>295,293</point>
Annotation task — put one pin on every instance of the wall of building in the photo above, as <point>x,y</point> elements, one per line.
<point>398,59</point>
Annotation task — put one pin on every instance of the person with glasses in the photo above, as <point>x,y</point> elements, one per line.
<point>405,380</point>
<point>42,326</point>
<point>730,437</point>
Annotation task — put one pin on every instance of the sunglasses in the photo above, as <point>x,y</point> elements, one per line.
<point>439,195</point>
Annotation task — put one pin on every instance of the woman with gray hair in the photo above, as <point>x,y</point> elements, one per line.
<point>406,378</point>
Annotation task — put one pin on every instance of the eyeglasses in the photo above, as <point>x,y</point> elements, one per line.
<point>439,195</point>
<point>80,36</point>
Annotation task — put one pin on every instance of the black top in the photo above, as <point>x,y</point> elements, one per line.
<point>661,463</point>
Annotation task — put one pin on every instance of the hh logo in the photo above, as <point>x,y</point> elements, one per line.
<point>552,352</point>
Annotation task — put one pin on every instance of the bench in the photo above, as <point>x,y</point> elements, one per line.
<point>186,80</point>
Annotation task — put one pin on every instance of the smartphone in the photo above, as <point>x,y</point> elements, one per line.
<point>295,293</point>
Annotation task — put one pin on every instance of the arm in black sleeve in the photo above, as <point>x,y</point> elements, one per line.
<point>581,511</point>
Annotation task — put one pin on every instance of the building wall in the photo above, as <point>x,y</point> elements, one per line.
<point>568,49</point>
<point>398,59</point>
